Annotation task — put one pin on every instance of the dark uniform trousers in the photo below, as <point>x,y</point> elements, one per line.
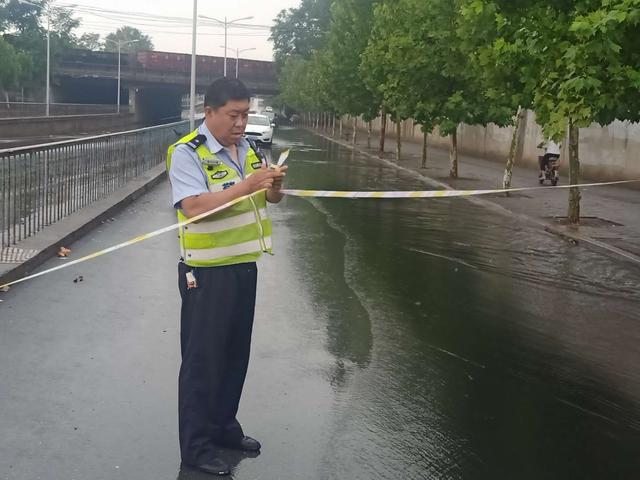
<point>216,323</point>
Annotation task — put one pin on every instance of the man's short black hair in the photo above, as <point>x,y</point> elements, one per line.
<point>224,89</point>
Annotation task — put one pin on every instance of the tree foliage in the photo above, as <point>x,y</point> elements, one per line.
<point>300,31</point>
<point>89,41</point>
<point>10,65</point>
<point>131,39</point>
<point>446,62</point>
<point>24,27</point>
<point>351,23</point>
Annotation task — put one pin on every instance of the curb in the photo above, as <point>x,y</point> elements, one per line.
<point>571,237</point>
<point>71,228</point>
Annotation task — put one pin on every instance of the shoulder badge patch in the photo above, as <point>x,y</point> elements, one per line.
<point>196,141</point>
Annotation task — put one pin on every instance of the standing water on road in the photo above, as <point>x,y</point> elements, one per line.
<point>467,344</point>
<point>393,339</point>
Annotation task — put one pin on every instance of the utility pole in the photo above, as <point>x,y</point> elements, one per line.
<point>226,24</point>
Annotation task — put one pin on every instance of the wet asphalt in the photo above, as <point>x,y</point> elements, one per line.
<point>393,339</point>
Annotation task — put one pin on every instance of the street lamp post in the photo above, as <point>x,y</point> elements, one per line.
<point>226,24</point>
<point>238,52</point>
<point>120,45</point>
<point>192,91</point>
<point>48,87</point>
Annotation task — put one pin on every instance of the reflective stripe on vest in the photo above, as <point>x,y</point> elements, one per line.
<point>240,233</point>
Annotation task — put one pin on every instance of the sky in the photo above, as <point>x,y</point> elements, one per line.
<point>175,35</point>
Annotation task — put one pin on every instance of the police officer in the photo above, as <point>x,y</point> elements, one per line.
<point>208,168</point>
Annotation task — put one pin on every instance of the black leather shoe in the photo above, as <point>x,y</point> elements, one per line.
<point>214,467</point>
<point>246,444</point>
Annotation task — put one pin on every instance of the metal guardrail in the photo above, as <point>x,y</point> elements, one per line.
<point>42,184</point>
<point>32,109</point>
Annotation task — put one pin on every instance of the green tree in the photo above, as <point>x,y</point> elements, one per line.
<point>292,82</point>
<point>582,67</point>
<point>351,22</point>
<point>416,60</point>
<point>597,79</point>
<point>20,17</point>
<point>139,41</point>
<point>299,31</point>
<point>24,26</point>
<point>389,67</point>
<point>502,70</point>
<point>89,41</point>
<point>10,66</point>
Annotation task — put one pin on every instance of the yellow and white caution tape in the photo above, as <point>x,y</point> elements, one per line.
<point>133,241</point>
<point>432,193</point>
<point>304,193</point>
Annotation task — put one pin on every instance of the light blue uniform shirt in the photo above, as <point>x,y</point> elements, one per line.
<point>186,173</point>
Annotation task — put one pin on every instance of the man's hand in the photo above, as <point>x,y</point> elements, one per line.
<point>264,179</point>
<point>274,195</point>
<point>277,182</point>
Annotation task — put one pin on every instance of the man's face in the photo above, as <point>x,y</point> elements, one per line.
<point>227,123</point>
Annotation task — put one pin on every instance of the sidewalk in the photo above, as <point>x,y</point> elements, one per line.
<point>35,250</point>
<point>610,215</point>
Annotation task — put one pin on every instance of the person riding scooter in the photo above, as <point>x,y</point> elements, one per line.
<point>549,161</point>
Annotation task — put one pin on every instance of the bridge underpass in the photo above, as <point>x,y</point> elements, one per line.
<point>153,94</point>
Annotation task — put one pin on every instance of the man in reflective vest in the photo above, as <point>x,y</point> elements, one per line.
<point>208,168</point>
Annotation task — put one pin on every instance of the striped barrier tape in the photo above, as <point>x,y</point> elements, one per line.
<point>304,193</point>
<point>128,243</point>
<point>433,193</point>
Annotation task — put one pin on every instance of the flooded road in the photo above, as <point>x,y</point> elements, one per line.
<point>467,344</point>
<point>394,339</point>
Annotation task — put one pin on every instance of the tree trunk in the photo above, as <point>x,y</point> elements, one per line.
<point>317,120</point>
<point>333,126</point>
<point>398,138</point>
<point>517,147</point>
<point>340,131</point>
<point>355,130</point>
<point>383,130</point>
<point>369,134</point>
<point>453,154</point>
<point>424,149</point>
<point>573,216</point>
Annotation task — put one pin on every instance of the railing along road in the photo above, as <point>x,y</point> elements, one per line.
<point>42,184</point>
<point>30,109</point>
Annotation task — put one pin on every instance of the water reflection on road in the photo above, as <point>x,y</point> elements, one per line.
<point>467,344</point>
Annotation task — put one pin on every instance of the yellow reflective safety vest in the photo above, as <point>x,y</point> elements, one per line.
<point>237,234</point>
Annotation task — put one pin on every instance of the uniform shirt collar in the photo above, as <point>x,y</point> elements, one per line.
<point>214,145</point>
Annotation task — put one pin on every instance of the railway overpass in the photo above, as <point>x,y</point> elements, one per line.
<point>153,84</point>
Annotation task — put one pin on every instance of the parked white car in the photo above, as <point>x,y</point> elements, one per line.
<point>259,128</point>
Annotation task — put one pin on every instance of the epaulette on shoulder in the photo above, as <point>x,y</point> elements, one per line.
<point>196,141</point>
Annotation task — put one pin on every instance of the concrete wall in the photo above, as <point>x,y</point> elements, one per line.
<point>42,126</point>
<point>606,153</point>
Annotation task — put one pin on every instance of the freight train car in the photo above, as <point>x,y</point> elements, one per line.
<point>89,58</point>
<point>206,65</point>
<point>180,63</point>
<point>170,62</point>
